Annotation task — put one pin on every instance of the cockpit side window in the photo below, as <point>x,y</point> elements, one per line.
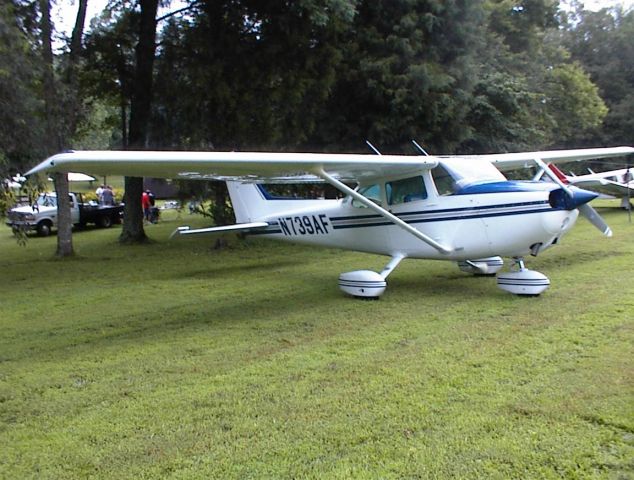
<point>405,190</point>
<point>444,182</point>
<point>371,192</point>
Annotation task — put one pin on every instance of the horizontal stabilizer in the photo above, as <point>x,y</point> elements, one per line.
<point>240,227</point>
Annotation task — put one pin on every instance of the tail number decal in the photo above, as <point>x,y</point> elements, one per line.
<point>304,225</point>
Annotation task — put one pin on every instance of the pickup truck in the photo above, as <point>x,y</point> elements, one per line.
<point>42,215</point>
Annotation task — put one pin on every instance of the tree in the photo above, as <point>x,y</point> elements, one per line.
<point>109,69</point>
<point>60,127</point>
<point>406,72</point>
<point>602,43</point>
<point>529,94</point>
<point>573,103</point>
<point>21,113</point>
<point>246,75</point>
<point>54,133</point>
<point>522,24</point>
<point>140,110</point>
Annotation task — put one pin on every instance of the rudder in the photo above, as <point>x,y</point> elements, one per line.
<point>248,201</point>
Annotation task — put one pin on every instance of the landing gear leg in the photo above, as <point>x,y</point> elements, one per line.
<point>523,281</point>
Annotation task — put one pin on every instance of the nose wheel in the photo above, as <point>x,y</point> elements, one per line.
<point>522,281</point>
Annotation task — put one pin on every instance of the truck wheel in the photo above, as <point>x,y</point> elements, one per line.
<point>105,221</point>
<point>44,229</point>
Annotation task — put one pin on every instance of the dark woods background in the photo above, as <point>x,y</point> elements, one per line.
<point>317,75</point>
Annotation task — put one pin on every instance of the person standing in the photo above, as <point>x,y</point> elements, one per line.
<point>99,193</point>
<point>107,196</point>
<point>146,205</point>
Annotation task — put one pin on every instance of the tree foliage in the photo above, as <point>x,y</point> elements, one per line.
<point>21,103</point>
<point>459,76</point>
<point>406,72</point>
<point>603,43</point>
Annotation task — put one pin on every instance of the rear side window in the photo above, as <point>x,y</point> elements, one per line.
<point>406,190</point>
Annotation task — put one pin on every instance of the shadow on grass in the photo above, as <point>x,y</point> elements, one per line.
<point>459,287</point>
<point>159,324</point>
<point>215,271</point>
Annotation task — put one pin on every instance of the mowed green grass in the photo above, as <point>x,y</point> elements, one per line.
<point>175,360</point>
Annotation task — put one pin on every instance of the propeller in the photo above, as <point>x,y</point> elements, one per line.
<point>578,199</point>
<point>595,219</point>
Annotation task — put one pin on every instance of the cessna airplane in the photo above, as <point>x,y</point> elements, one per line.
<point>456,208</point>
<point>615,183</point>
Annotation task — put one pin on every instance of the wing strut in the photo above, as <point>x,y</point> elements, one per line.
<point>550,174</point>
<point>381,211</point>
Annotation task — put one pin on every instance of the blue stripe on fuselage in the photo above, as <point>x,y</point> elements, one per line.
<point>508,186</point>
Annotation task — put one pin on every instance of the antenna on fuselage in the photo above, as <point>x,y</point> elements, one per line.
<point>376,150</point>
<point>420,148</point>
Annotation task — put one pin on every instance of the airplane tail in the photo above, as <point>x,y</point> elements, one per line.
<point>249,203</point>
<point>560,175</point>
<point>252,203</point>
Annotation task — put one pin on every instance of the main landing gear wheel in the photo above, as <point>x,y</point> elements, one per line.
<point>362,284</point>
<point>367,284</point>
<point>523,281</point>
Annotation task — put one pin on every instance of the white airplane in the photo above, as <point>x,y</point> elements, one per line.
<point>615,183</point>
<point>456,208</point>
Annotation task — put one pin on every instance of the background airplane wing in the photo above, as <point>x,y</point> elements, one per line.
<point>245,166</point>
<point>607,187</point>
<point>513,161</point>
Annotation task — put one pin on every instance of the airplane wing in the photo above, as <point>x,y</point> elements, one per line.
<point>602,185</point>
<point>245,166</point>
<point>513,161</point>
<point>285,167</point>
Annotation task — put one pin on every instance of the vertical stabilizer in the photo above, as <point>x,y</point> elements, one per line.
<point>560,175</point>
<point>248,201</point>
<point>252,203</point>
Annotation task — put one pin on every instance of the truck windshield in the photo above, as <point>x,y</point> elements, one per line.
<point>46,201</point>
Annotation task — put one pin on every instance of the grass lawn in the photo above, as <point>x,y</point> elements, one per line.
<point>174,360</point>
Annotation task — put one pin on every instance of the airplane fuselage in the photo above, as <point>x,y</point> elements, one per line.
<point>473,225</point>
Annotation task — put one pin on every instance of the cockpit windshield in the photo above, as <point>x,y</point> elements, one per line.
<point>472,171</point>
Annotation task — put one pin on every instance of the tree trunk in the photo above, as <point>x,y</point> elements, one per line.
<point>140,109</point>
<point>133,213</point>
<point>54,135</point>
<point>55,131</point>
<point>64,220</point>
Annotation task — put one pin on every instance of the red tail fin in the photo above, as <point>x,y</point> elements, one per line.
<point>560,175</point>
